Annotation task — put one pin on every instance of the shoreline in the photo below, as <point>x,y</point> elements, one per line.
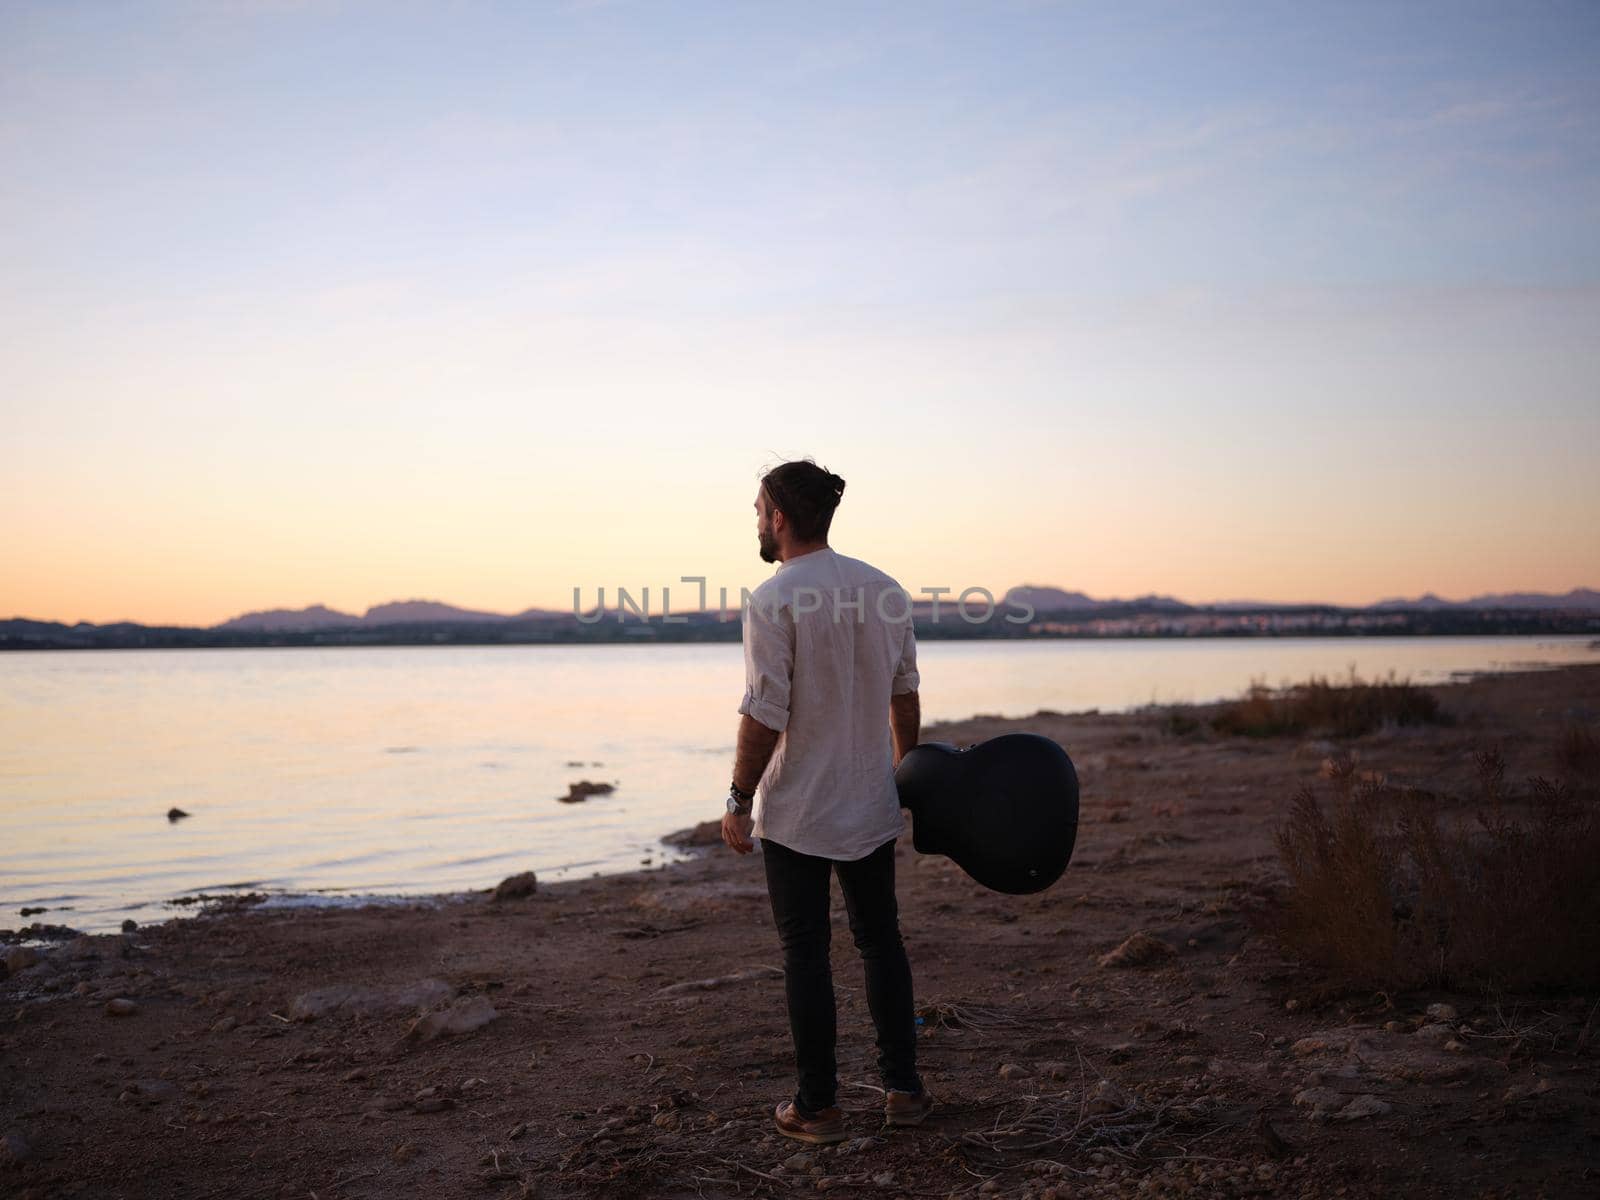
<point>190,906</point>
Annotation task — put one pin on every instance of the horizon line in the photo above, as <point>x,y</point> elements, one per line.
<point>917,598</point>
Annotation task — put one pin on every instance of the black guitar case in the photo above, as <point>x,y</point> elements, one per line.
<point>1005,810</point>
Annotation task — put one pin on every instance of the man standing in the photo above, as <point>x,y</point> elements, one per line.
<point>830,675</point>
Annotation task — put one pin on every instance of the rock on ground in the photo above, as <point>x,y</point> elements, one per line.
<point>463,1016</point>
<point>515,887</point>
<point>1140,950</point>
<point>349,1000</point>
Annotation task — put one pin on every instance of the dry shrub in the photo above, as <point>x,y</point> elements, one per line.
<point>1390,890</point>
<point>1176,722</point>
<point>1320,706</point>
<point>1579,751</point>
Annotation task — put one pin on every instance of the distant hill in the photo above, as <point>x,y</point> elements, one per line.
<point>1046,599</point>
<point>397,612</point>
<point>1577,600</point>
<point>541,614</point>
<point>283,620</point>
<point>411,612</point>
<point>1054,600</point>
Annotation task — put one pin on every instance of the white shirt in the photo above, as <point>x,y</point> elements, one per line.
<point>827,640</point>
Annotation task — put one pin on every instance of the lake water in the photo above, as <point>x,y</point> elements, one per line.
<point>403,770</point>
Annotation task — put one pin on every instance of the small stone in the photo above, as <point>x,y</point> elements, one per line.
<point>1394,1027</point>
<point>20,958</point>
<point>389,1104</point>
<point>516,887</point>
<point>1307,1046</point>
<point>1291,1005</point>
<point>1319,1099</point>
<point>430,1104</point>
<point>884,1180</point>
<point>1014,1071</point>
<point>1362,1106</point>
<point>583,789</point>
<point>226,1025</point>
<point>1107,1097</point>
<point>1436,1033</point>
<point>1441,1012</point>
<point>1527,1091</point>
<point>1138,950</point>
<point>154,1091</point>
<point>14,1148</point>
<point>803,1161</point>
<point>463,1016</point>
<point>405,1152</point>
<point>121,1007</point>
<point>129,925</point>
<point>517,1130</point>
<point>348,1000</point>
<point>350,1076</point>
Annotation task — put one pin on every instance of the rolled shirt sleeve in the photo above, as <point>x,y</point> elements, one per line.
<point>906,678</point>
<point>768,664</point>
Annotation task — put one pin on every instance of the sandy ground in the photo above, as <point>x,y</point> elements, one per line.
<point>280,1053</point>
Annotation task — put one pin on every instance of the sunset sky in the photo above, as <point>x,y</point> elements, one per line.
<point>346,303</point>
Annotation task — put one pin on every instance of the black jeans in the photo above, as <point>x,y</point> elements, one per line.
<point>799,887</point>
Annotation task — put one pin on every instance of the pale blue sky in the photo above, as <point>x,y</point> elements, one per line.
<point>1273,299</point>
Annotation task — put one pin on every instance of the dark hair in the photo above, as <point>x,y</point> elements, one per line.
<point>806,494</point>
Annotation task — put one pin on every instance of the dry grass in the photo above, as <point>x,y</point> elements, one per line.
<point>976,1017</point>
<point>1058,1131</point>
<point>1389,889</point>
<point>1319,706</point>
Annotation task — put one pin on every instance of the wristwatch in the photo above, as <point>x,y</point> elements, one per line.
<point>739,802</point>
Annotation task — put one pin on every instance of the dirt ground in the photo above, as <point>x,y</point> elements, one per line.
<point>560,1045</point>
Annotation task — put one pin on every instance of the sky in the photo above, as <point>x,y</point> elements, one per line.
<point>347,303</point>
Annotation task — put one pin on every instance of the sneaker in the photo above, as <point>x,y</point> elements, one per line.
<point>825,1126</point>
<point>906,1108</point>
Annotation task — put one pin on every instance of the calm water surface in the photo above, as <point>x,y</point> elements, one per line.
<point>408,770</point>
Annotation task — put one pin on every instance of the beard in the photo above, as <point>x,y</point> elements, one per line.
<point>768,545</point>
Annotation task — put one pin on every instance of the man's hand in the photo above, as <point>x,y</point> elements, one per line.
<point>905,722</point>
<point>736,831</point>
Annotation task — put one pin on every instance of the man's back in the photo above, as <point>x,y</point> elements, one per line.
<point>827,640</point>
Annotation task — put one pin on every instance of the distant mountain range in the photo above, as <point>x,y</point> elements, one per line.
<point>1057,612</point>
<point>397,612</point>
<point>1053,599</point>
<point>1041,598</point>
